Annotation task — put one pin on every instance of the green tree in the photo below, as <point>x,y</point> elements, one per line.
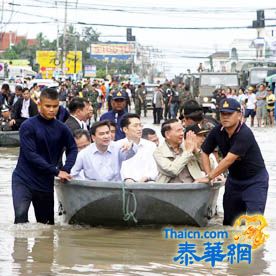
<point>10,54</point>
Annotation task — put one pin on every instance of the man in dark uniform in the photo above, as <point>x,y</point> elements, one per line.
<point>118,104</point>
<point>5,119</point>
<point>247,183</point>
<point>42,142</point>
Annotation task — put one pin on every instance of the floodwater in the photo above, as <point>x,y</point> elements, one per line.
<point>35,249</point>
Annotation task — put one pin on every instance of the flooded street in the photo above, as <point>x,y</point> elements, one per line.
<point>35,249</point>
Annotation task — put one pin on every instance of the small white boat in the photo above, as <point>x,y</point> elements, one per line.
<point>113,203</point>
<point>9,139</point>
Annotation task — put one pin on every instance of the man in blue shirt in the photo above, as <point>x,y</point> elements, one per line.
<point>247,183</point>
<point>118,104</point>
<point>102,160</point>
<point>42,141</point>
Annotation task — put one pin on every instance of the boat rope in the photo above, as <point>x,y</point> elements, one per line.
<point>127,215</point>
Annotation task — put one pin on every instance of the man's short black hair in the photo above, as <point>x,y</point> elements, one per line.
<point>78,133</point>
<point>147,131</point>
<point>5,86</point>
<point>191,106</point>
<point>99,124</point>
<point>19,87</point>
<point>49,93</point>
<point>77,103</point>
<point>125,119</point>
<point>196,116</point>
<point>25,89</point>
<point>167,126</point>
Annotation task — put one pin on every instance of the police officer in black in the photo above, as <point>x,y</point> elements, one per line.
<point>247,182</point>
<point>118,103</point>
<point>5,118</point>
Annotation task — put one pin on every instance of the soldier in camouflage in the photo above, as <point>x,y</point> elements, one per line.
<point>138,100</point>
<point>184,96</point>
<point>92,95</point>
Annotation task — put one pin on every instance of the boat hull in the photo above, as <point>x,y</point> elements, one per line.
<point>9,139</point>
<point>94,203</point>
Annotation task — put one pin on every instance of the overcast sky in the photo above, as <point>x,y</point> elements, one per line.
<point>48,15</point>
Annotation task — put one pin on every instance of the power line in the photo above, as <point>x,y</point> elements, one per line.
<point>129,9</point>
<point>169,28</point>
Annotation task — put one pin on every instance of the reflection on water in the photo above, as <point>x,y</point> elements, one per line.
<point>35,249</point>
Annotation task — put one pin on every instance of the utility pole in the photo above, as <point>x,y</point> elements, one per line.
<point>63,62</point>
<point>75,58</point>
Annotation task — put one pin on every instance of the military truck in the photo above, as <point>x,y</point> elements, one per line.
<point>258,75</point>
<point>204,84</point>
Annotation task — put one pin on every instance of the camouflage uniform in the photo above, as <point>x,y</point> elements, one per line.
<point>138,102</point>
<point>92,96</point>
<point>184,97</point>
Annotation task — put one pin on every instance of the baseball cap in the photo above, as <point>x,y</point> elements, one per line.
<point>251,88</point>
<point>229,105</point>
<point>4,108</point>
<point>119,95</point>
<point>197,129</point>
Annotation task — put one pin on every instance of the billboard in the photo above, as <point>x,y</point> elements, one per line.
<point>112,51</point>
<point>49,63</point>
<point>90,71</point>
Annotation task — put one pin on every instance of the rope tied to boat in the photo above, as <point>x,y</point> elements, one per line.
<point>127,214</point>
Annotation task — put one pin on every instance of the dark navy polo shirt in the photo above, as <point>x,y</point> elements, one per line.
<point>241,143</point>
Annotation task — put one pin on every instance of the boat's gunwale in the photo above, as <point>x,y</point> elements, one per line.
<point>140,186</point>
<point>9,131</point>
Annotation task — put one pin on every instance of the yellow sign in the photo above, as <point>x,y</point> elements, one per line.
<point>49,63</point>
<point>253,234</point>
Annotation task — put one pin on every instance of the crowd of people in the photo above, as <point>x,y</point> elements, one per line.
<point>255,102</point>
<point>117,148</point>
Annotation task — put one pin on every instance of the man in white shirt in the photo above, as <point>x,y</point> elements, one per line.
<point>102,160</point>
<point>23,109</point>
<point>142,166</point>
<point>250,105</point>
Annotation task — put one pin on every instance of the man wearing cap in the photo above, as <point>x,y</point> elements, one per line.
<point>5,118</point>
<point>247,182</point>
<point>118,104</point>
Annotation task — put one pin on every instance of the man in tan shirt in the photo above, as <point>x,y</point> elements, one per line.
<point>176,160</point>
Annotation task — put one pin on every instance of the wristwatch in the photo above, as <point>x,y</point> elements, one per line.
<point>209,177</point>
